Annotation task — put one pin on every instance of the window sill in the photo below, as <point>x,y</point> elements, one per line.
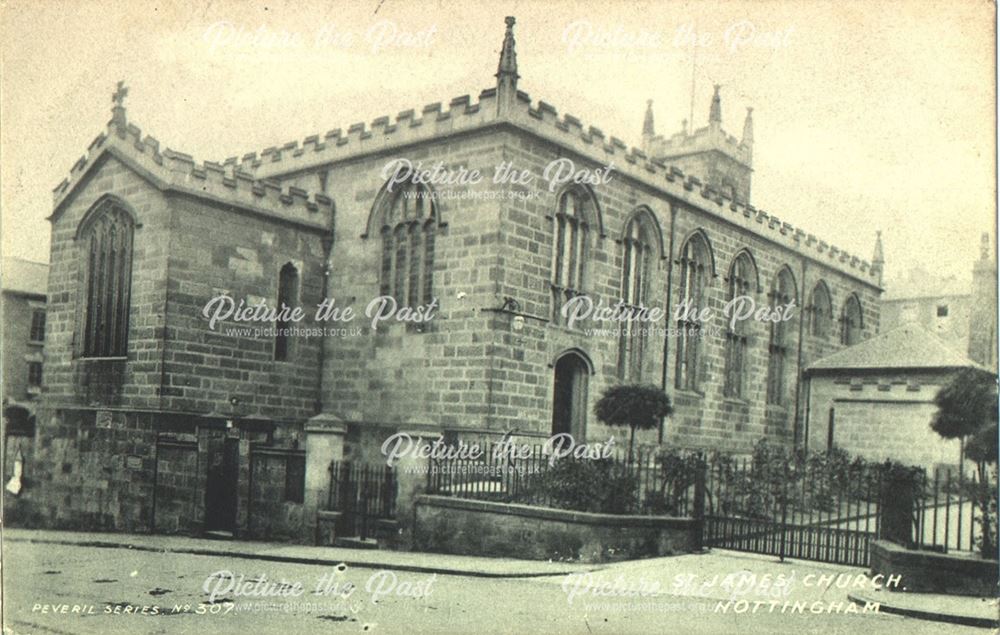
<point>692,394</point>
<point>38,343</point>
<point>102,359</point>
<point>735,401</point>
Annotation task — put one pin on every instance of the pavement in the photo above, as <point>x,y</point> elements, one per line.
<point>967,611</point>
<point>716,576</point>
<point>729,576</point>
<point>304,554</point>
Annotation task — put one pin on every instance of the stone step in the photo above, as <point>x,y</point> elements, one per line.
<point>355,542</point>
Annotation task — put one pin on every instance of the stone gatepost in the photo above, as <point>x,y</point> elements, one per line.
<point>324,444</point>
<point>412,474</point>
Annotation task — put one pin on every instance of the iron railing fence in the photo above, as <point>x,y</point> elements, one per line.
<point>948,514</point>
<point>644,481</point>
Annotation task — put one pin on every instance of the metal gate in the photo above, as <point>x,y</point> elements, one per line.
<point>363,494</point>
<point>803,510</point>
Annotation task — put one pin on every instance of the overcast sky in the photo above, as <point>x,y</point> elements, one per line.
<point>867,115</point>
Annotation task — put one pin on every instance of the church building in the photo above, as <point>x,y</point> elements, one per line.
<point>155,418</point>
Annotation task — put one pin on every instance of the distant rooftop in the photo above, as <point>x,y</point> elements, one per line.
<point>24,276</point>
<point>920,283</point>
<point>907,347</point>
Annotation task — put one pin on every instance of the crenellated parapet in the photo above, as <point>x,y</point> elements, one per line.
<point>568,131</point>
<point>409,126</point>
<point>704,139</point>
<point>170,170</point>
<point>462,115</point>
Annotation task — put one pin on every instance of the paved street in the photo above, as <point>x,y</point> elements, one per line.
<point>130,591</point>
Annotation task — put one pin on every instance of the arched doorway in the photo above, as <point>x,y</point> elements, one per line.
<point>569,397</point>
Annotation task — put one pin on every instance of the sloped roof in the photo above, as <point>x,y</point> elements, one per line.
<point>907,346</point>
<point>24,276</point>
<point>173,171</point>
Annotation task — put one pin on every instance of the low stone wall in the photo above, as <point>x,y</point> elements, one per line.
<point>932,572</point>
<point>471,527</point>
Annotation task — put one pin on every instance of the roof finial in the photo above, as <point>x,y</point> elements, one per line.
<point>984,246</point>
<point>508,56</point>
<point>878,258</point>
<point>715,113</point>
<point>507,69</point>
<point>748,128</point>
<point>647,123</point>
<point>118,99</point>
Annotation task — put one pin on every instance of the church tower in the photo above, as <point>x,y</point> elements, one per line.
<point>719,159</point>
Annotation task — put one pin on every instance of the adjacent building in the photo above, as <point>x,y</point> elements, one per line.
<point>876,399</point>
<point>22,304</point>
<point>962,315</point>
<point>23,288</point>
<point>156,418</point>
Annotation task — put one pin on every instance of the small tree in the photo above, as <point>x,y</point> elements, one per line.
<point>967,410</point>
<point>966,404</point>
<point>638,406</point>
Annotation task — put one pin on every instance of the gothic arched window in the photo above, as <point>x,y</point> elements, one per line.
<point>695,269</point>
<point>782,293</point>
<point>408,228</point>
<point>742,275</point>
<point>571,230</point>
<point>820,311</point>
<point>850,332</point>
<point>636,265</point>
<point>106,245</point>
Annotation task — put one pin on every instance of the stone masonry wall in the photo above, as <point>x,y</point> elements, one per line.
<point>471,527</point>
<point>96,464</point>
<point>470,369</point>
<point>135,384</point>
<point>400,374</point>
<point>881,416</point>
<point>216,251</point>
<point>92,471</point>
<point>706,420</point>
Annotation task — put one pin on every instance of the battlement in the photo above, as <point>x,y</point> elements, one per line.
<point>387,133</point>
<point>384,132</point>
<point>701,140</point>
<point>568,131</point>
<point>177,171</point>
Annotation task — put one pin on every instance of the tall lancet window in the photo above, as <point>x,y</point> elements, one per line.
<point>742,275</point>
<point>820,311</point>
<point>408,231</point>
<point>695,269</point>
<point>850,332</point>
<point>288,296</point>
<point>571,230</point>
<point>782,293</point>
<point>636,264</point>
<point>106,245</point>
